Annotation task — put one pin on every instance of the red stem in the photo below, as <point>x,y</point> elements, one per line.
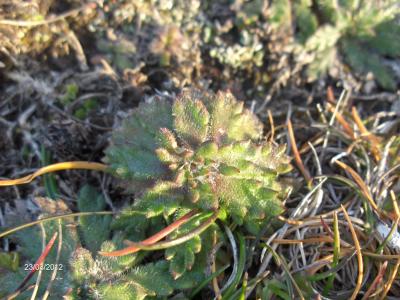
<point>154,238</point>
<point>39,261</point>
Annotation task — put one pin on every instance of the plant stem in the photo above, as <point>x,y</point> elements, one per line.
<point>154,238</point>
<point>164,245</point>
<point>78,214</point>
<point>39,261</point>
<point>68,165</point>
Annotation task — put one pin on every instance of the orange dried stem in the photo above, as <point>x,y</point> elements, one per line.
<point>326,227</point>
<point>376,282</point>
<point>290,221</point>
<point>382,256</point>
<point>330,96</point>
<point>361,185</point>
<point>369,136</point>
<point>180,240</point>
<point>271,121</point>
<point>320,263</point>
<point>395,205</point>
<point>296,154</point>
<point>39,261</point>
<point>322,239</point>
<point>359,256</point>
<point>346,126</point>
<point>300,222</point>
<point>351,147</point>
<point>154,238</point>
<point>345,249</point>
<point>393,276</point>
<point>317,139</point>
<point>68,165</point>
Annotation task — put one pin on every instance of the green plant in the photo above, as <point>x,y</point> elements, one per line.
<point>365,33</point>
<point>189,163</point>
<point>71,93</point>
<point>239,41</point>
<point>203,152</point>
<point>30,243</point>
<point>84,110</point>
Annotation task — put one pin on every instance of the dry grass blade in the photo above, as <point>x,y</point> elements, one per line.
<point>369,136</point>
<point>54,273</point>
<point>317,240</point>
<point>271,121</point>
<point>392,277</point>
<point>359,255</point>
<point>46,219</point>
<point>300,222</point>
<point>38,263</point>
<point>326,260</point>
<point>395,205</point>
<point>330,96</point>
<point>296,154</point>
<point>290,221</point>
<point>18,292</point>
<point>342,121</point>
<point>68,165</point>
<point>40,273</point>
<point>376,282</point>
<point>217,290</point>
<point>336,252</point>
<point>282,262</point>
<point>360,182</point>
<point>336,234</point>
<point>326,227</point>
<point>382,256</point>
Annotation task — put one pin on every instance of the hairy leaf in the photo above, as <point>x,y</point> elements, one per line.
<point>190,119</point>
<point>95,229</point>
<point>211,157</point>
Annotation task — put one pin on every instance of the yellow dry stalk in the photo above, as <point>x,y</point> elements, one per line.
<point>68,165</point>
<point>359,255</point>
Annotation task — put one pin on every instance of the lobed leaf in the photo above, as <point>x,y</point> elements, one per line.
<point>229,121</point>
<point>163,198</point>
<point>190,119</point>
<point>182,257</point>
<point>95,229</point>
<point>363,61</point>
<point>153,278</point>
<point>131,153</point>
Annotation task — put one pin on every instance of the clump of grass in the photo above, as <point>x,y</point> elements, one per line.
<point>348,160</point>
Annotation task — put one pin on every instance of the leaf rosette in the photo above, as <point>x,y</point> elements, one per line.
<point>202,151</point>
